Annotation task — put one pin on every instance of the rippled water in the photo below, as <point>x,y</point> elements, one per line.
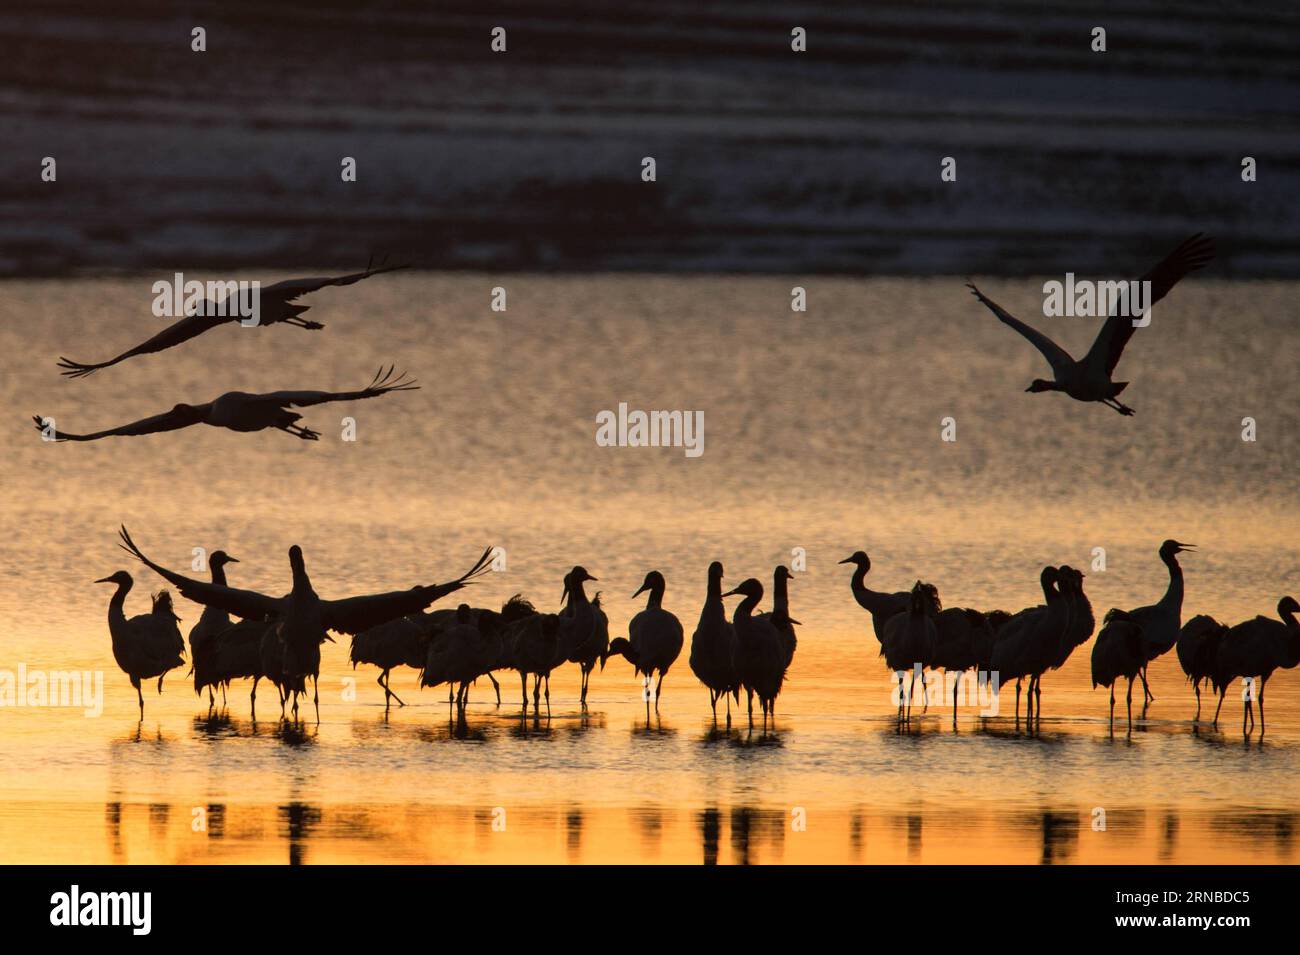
<point>822,431</point>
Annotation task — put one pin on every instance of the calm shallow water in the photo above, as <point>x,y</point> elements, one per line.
<point>822,432</point>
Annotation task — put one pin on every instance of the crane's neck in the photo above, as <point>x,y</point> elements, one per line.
<point>870,600</point>
<point>1172,601</point>
<point>745,608</point>
<point>219,574</point>
<point>655,598</point>
<point>577,595</point>
<point>780,597</point>
<point>117,605</point>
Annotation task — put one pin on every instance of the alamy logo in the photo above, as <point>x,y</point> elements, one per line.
<point>651,429</point>
<point>103,908</point>
<point>41,688</point>
<point>1088,299</point>
<point>229,299</point>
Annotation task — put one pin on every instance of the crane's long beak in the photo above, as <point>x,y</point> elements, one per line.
<point>104,580</point>
<point>846,560</point>
<point>644,588</point>
<point>231,560</point>
<point>731,593</point>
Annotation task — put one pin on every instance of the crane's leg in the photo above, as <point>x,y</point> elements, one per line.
<point>1148,696</point>
<point>224,683</point>
<point>955,685</point>
<point>751,705</point>
<point>1261,708</point>
<point>523,685</point>
<point>660,685</point>
<point>547,694</point>
<point>495,686</point>
<point>388,688</point>
<point>1017,704</point>
<point>728,696</point>
<point>925,697</point>
<point>713,705</point>
<point>910,687</point>
<point>252,699</point>
<point>1112,709</point>
<point>1197,687</point>
<point>315,695</point>
<point>1223,692</point>
<point>212,700</point>
<point>1130,706</point>
<point>140,694</point>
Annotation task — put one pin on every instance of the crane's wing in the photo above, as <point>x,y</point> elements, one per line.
<point>355,614</point>
<point>1194,253</point>
<point>291,289</point>
<point>384,382</point>
<point>245,603</point>
<point>1056,356</point>
<point>172,420</point>
<point>179,331</point>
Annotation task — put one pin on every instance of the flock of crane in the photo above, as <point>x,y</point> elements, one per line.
<point>279,639</point>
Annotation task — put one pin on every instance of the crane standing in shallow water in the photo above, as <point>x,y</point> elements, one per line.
<point>713,647</point>
<point>584,628</point>
<point>760,651</point>
<point>1117,653</point>
<point>1162,621</point>
<point>1198,653</point>
<point>145,646</point>
<point>1255,649</point>
<point>910,642</point>
<point>1027,644</point>
<point>654,639</point>
<point>394,643</point>
<point>211,622</point>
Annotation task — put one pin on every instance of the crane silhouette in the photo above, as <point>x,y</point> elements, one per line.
<point>275,307</point>
<point>1117,653</point>
<point>301,617</point>
<point>1075,631</point>
<point>211,622</point>
<point>531,646</point>
<point>1162,621</point>
<point>145,646</point>
<point>1089,379</point>
<point>654,639</point>
<point>233,654</point>
<point>713,647</point>
<point>963,641</point>
<point>461,653</point>
<point>911,639</point>
<point>240,411</point>
<point>400,642</point>
<point>1028,643</point>
<point>760,651</point>
<point>1198,653</point>
<point>584,628</point>
<point>780,615</point>
<point>1256,649</point>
